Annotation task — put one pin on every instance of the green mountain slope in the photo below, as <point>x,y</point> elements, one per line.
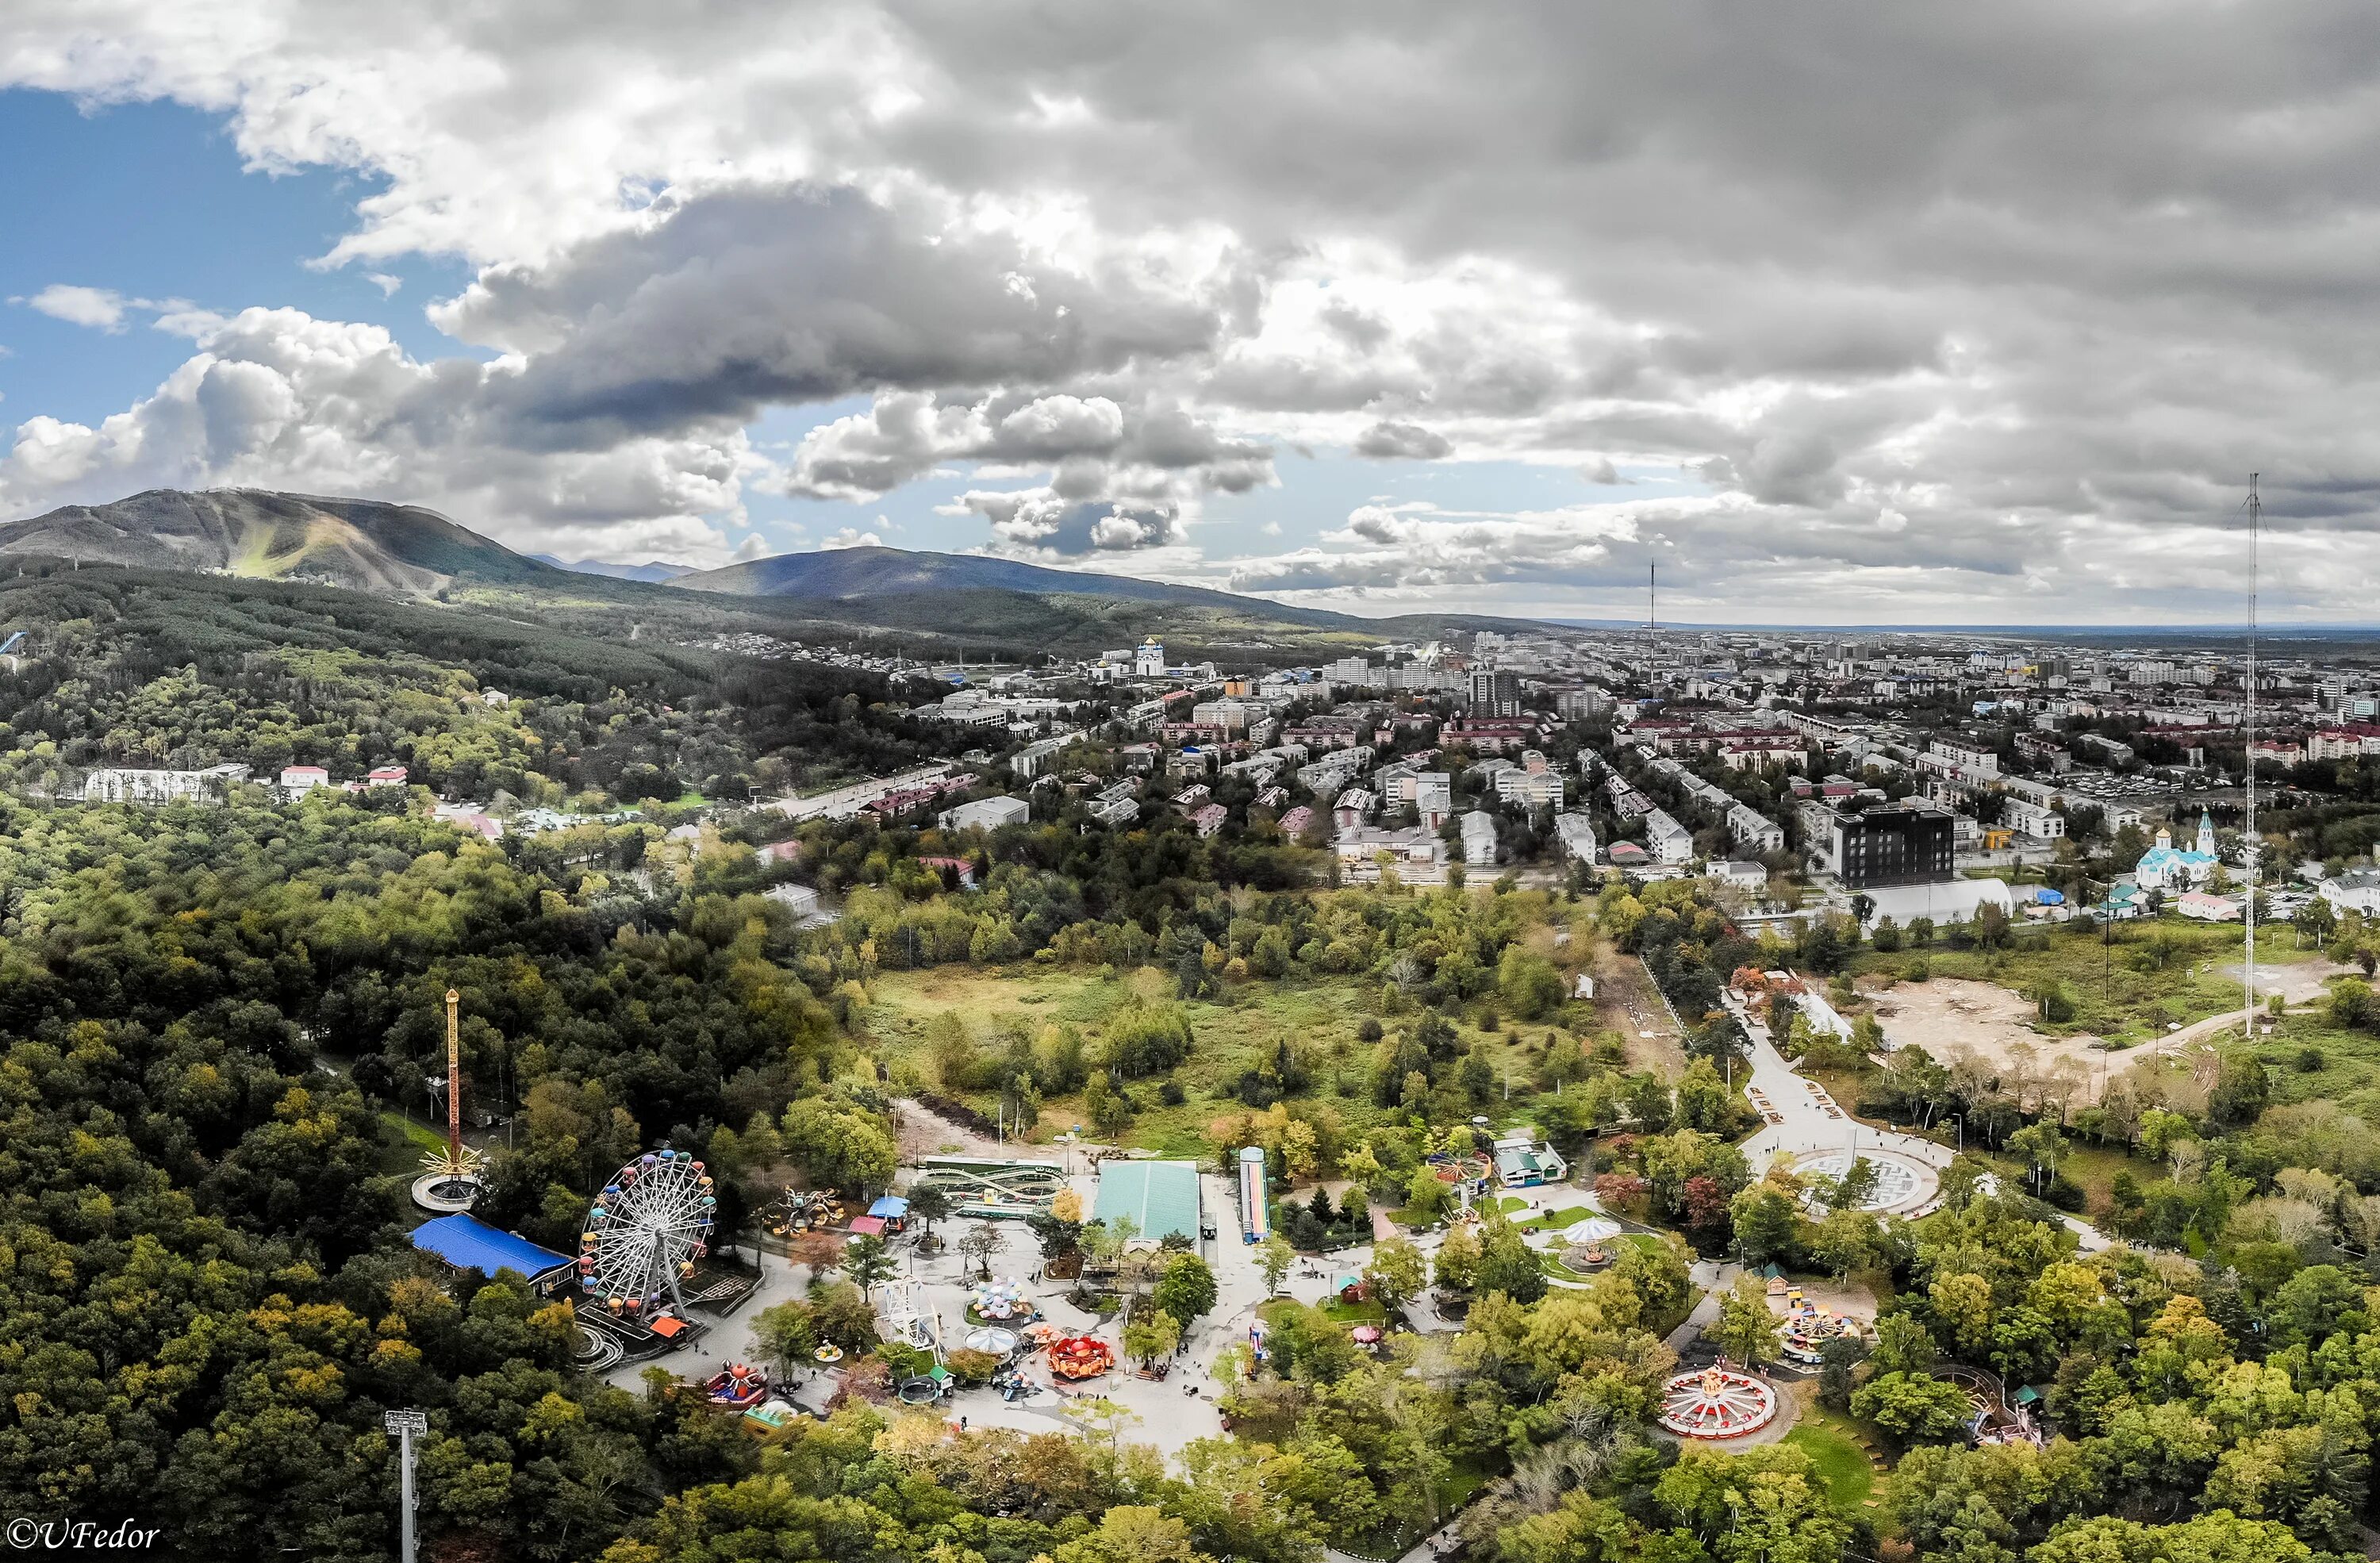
<point>366,544</point>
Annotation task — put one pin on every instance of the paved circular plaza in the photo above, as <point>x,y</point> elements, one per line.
<point>1903,1183</point>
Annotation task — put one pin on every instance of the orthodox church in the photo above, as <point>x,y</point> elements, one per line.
<point>2168,868</point>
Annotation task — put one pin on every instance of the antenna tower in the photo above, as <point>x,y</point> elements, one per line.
<point>2252,845</point>
<point>1652,601</point>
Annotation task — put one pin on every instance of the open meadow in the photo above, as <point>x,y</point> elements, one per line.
<point>1239,1031</point>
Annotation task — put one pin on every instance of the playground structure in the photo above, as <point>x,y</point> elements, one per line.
<point>738,1387</point>
<point>991,1338</point>
<point>1991,1419</point>
<point>1079,1357</point>
<point>984,1188</point>
<point>643,1234</point>
<point>1717,1403</point>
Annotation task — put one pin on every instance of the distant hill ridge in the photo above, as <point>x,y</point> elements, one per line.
<point>367,544</point>
<point>843,573</point>
<point>377,546</point>
<point>652,571</point>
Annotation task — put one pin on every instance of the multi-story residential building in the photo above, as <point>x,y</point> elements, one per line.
<point>1493,692</point>
<point>1576,833</point>
<point>2028,818</point>
<point>1669,842</point>
<point>1904,844</point>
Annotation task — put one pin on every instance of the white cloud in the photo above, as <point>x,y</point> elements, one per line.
<point>99,308</point>
<point>276,398</point>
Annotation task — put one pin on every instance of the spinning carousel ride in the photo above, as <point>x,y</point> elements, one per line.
<point>648,1227</point>
<point>1717,1403</point>
<point>1080,1356</point>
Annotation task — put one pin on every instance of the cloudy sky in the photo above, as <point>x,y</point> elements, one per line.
<point>1841,313</point>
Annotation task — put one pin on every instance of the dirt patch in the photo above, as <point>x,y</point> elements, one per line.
<point>1978,1025</point>
<point>1846,1299</point>
<point>2300,982</point>
<point>1626,1002</point>
<point>925,1132</point>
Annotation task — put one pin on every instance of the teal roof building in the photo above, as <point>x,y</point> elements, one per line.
<point>1161,1198</point>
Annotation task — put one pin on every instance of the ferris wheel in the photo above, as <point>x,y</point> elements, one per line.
<point>645,1230</point>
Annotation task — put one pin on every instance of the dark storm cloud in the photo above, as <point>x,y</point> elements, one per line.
<point>730,301</point>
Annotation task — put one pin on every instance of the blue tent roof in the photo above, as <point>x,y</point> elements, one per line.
<point>471,1244</point>
<point>891,1208</point>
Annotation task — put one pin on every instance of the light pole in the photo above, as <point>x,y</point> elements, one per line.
<point>408,1425</point>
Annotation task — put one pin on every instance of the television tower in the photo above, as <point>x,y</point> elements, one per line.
<point>1652,580</point>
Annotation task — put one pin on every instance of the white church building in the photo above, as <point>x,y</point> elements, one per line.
<point>2168,868</point>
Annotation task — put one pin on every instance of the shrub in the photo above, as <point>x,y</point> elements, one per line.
<point>972,1367</point>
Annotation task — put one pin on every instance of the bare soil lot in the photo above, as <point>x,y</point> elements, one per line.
<point>1955,1018</point>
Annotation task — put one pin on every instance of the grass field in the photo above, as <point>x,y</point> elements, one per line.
<point>1232,1034</point>
<point>1831,1442</point>
<point>420,1138</point>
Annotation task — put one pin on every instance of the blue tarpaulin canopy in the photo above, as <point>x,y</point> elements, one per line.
<point>469,1244</point>
<point>891,1208</point>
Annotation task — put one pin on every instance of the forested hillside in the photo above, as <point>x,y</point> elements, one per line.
<point>125,667</point>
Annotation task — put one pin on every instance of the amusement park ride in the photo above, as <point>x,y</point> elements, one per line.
<point>450,1179</point>
<point>646,1229</point>
<point>1716,1402</point>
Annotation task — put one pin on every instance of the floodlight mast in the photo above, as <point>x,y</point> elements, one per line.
<point>408,1425</point>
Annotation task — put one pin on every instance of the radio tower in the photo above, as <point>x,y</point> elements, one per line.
<point>1652,578</point>
<point>2254,855</point>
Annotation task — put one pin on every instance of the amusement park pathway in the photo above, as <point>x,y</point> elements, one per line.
<point>1714,1279</point>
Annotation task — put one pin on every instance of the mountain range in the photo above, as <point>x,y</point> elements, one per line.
<point>376,546</point>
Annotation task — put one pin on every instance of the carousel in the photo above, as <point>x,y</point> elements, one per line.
<point>1591,1245</point>
<point>1718,1402</point>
